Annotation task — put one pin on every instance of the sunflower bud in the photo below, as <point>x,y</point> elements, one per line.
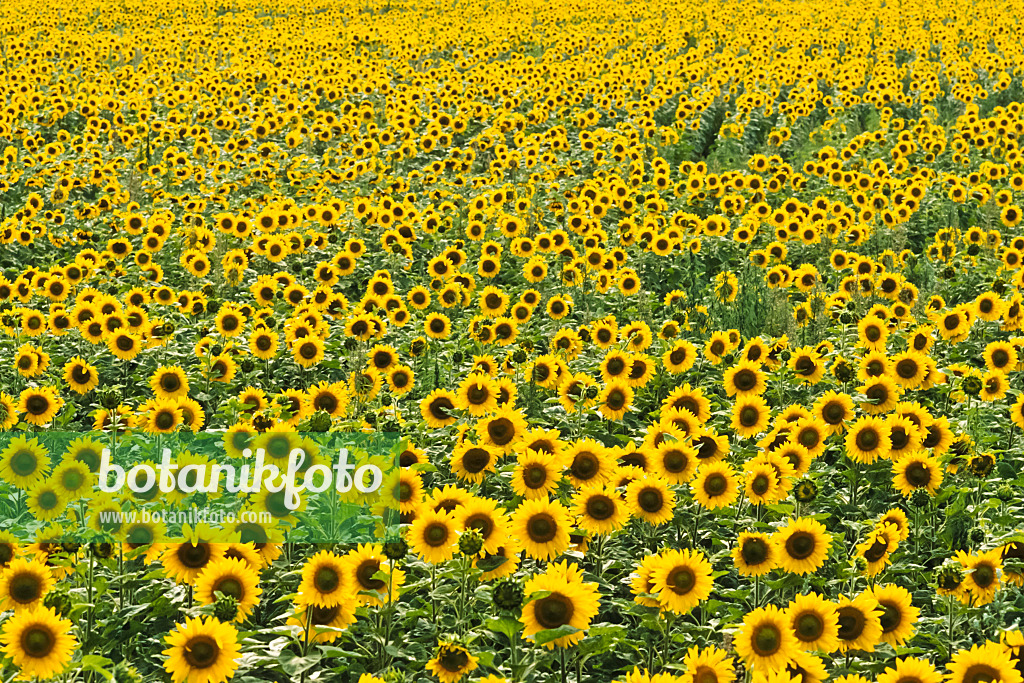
<point>471,542</point>
<point>508,595</point>
<point>981,464</point>
<point>396,550</point>
<point>100,550</point>
<point>861,563</point>
<point>806,491</point>
<point>949,578</point>
<point>457,357</point>
<point>270,322</point>
<point>999,286</point>
<point>920,498</point>
<point>225,608</point>
<point>262,423</point>
<point>320,422</point>
<point>127,673</point>
<point>977,536</point>
<point>845,318</point>
<point>519,356</point>
<point>1005,493</point>
<point>247,365</point>
<point>972,385</point>
<point>217,349</point>
<point>843,371</point>
<point>110,399</point>
<point>61,603</point>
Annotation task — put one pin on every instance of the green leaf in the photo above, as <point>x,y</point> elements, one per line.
<point>506,625</point>
<point>550,634</point>
<point>97,664</point>
<point>293,665</point>
<point>491,563</point>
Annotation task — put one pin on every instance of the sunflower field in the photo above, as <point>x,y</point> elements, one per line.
<point>696,327</point>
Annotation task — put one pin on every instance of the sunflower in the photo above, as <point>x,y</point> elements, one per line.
<point>744,379</point>
<point>834,410</point>
<point>955,324</point>
<point>577,392</point>
<point>815,622</point>
<point>650,499</point>
<point>907,670</point>
<point>437,326</point>
<point>804,545</point>
<point>898,614</point>
<point>589,463</point>
<point>873,333</point>
<point>506,557</point>
<point>324,580</point>
<point>682,579</point>
<point>715,486</point>
<point>710,665</point>
<point>24,462</point>
<point>567,601</point>
<point>543,528</point>
<point>233,578</point>
<point>641,582</point>
<point>750,415</point>
<point>860,625</point>
<point>471,462</point>
<point>600,509</point>
<point>763,483</point>
<point>8,411</point>
<point>24,584</point>
<point>904,437</point>
<point>263,343</point>
<point>807,364</point>
<point>483,515</point>
<point>202,650</point>
<point>537,474</point>
<point>39,405</point>
<point>674,461</point>
<point>169,382</point>
<point>433,535</point>
<point>916,471</point>
<point>451,662</point>
<point>9,549</point>
<point>867,440</point>
<point>766,641</point>
<point>80,375</point>
<point>755,554</point>
<point>39,642</point>
<point>125,345</point>
<point>878,547</point>
<point>436,409</point>
<point>909,369</point>
<point>504,429</point>
<point>308,351</point>
<point>982,580</point>
<point>1000,356</point>
<point>680,357</point>
<point>615,400</point>
<point>185,560</point>
<point>986,662</point>
<point>477,395</point>
<point>690,399</point>
<point>45,501</point>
